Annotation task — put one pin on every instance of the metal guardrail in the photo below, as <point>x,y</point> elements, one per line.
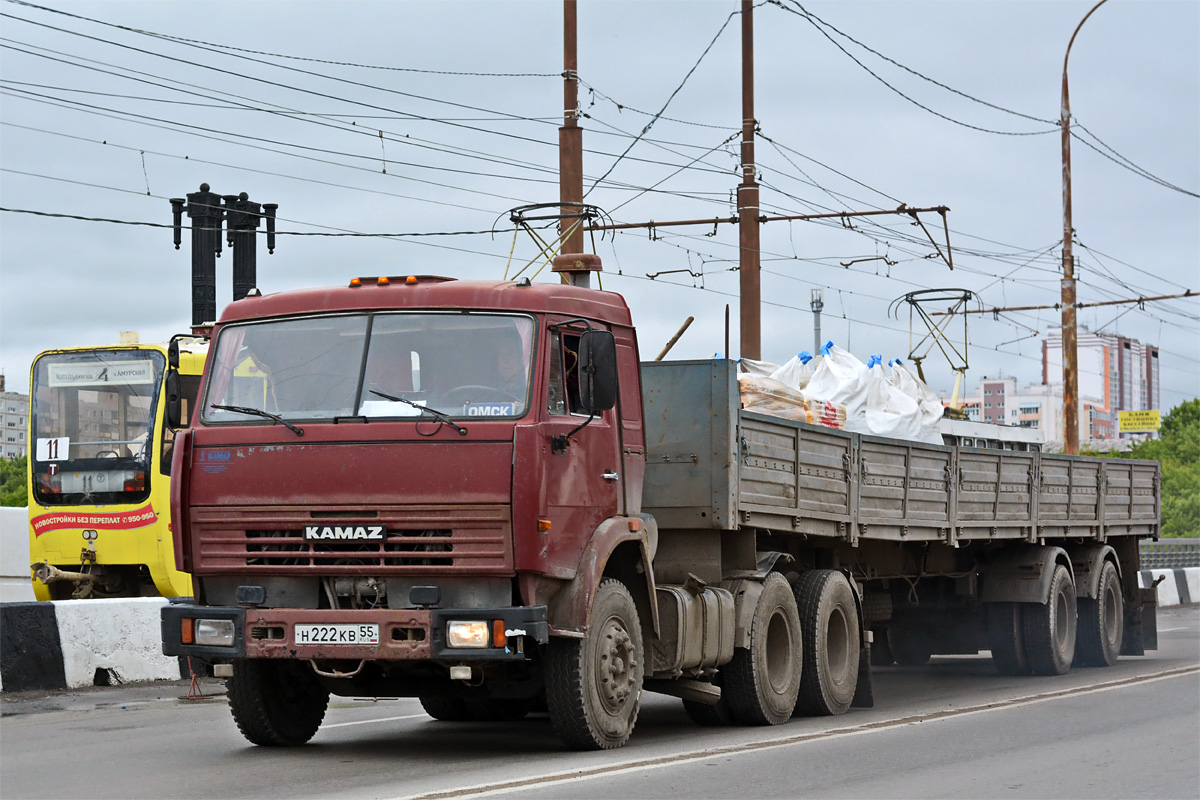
<point>1169,553</point>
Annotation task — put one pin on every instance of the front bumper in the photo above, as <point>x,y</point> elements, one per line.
<point>404,634</point>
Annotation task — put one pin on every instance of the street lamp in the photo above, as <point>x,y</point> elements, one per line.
<point>1070,339</point>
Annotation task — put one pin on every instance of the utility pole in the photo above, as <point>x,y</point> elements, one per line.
<point>1069,317</point>
<point>750,287</point>
<point>242,217</point>
<point>205,213</point>
<point>570,137</point>
<point>817,304</point>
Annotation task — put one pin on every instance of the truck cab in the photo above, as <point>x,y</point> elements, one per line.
<point>408,485</point>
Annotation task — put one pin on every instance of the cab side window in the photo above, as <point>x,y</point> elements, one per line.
<point>564,373</point>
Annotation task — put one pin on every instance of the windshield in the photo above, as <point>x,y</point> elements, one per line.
<point>93,418</point>
<point>319,368</point>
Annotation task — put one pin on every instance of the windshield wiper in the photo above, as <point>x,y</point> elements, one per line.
<point>441,416</point>
<point>258,412</point>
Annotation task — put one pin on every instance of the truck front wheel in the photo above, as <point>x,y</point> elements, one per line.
<point>276,703</point>
<point>829,620</point>
<point>762,682</point>
<point>594,684</point>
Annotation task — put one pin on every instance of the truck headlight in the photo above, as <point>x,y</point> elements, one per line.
<point>214,632</point>
<point>461,633</point>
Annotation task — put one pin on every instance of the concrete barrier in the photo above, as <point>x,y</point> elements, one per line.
<point>15,584</point>
<point>1178,587</point>
<point>68,644</point>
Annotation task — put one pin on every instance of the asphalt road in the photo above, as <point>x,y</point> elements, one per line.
<point>952,729</point>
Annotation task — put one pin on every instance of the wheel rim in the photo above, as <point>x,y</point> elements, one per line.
<point>837,643</point>
<point>1061,629</point>
<point>617,666</point>
<point>1112,614</point>
<point>779,652</point>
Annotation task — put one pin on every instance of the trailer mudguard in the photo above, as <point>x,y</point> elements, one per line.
<point>1021,574</point>
<point>571,607</point>
<point>1088,560</point>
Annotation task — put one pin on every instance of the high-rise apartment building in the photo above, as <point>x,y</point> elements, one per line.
<point>14,422</point>
<point>1115,374</point>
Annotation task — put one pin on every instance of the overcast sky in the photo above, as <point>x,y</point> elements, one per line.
<point>430,117</point>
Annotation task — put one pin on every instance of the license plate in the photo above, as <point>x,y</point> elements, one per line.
<point>337,634</point>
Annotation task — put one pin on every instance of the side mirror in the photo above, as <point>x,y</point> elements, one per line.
<point>173,413</point>
<point>597,371</point>
<point>174,410</point>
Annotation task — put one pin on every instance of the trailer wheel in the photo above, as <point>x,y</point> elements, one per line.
<point>829,622</point>
<point>594,684</point>
<point>1006,638</point>
<point>763,681</point>
<point>909,646</point>
<point>445,709</point>
<point>276,703</point>
<point>1049,629</point>
<point>1101,622</point>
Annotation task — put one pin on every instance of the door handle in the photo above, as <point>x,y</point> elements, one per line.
<point>610,476</point>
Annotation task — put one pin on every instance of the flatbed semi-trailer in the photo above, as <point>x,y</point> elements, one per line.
<point>474,493</point>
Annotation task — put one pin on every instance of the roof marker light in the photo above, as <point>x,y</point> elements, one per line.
<point>355,283</point>
<point>383,280</point>
<point>411,280</point>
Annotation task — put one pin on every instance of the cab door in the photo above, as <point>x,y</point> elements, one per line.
<point>579,466</point>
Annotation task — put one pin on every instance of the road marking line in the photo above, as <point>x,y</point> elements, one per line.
<point>373,721</point>
<point>557,778</point>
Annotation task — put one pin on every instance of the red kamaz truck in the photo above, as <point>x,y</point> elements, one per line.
<point>473,493</point>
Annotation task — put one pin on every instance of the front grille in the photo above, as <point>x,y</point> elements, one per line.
<point>474,539</point>
<point>401,548</point>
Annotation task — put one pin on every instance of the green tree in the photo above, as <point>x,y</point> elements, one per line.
<point>1178,450</point>
<point>13,491</point>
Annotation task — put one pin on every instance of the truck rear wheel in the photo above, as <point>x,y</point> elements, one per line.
<point>1101,622</point>
<point>276,703</point>
<point>594,684</point>
<point>763,681</point>
<point>909,646</point>
<point>829,625</point>
<point>1049,629</point>
<point>1006,638</point>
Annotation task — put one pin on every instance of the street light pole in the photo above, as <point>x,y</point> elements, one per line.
<point>1070,338</point>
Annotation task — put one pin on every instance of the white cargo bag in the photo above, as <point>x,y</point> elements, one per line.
<point>797,372</point>
<point>841,378</point>
<point>931,408</point>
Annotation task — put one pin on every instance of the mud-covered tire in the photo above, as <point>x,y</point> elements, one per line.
<point>1006,638</point>
<point>829,625</point>
<point>445,709</point>
<point>1101,622</point>
<point>762,682</point>
<point>594,684</point>
<point>276,703</point>
<point>1049,629</point>
<point>909,647</point>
